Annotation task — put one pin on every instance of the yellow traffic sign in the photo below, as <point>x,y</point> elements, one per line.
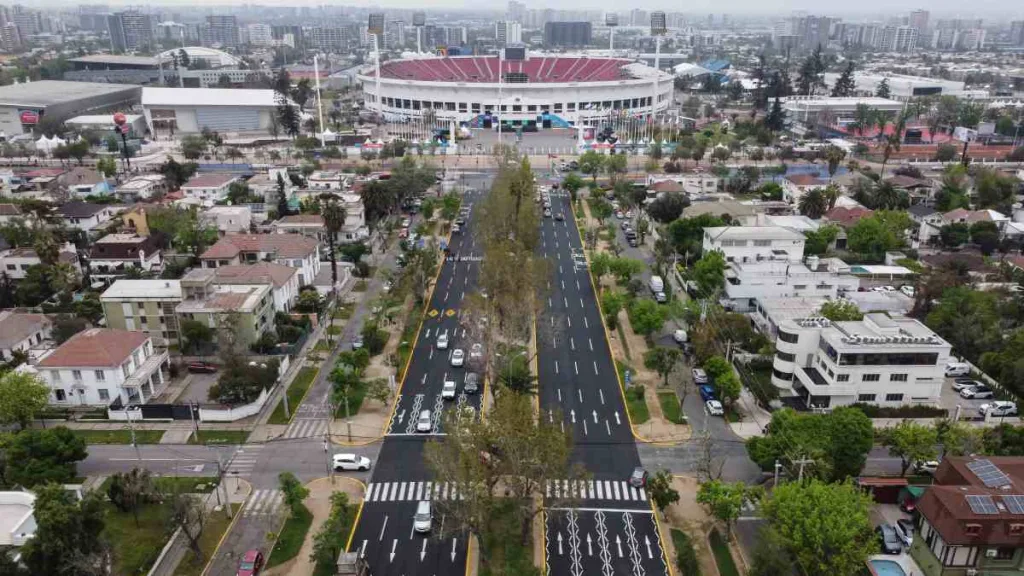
<point>449,312</point>
<point>433,313</point>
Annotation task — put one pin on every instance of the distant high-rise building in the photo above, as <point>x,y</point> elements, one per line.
<point>93,17</point>
<point>508,33</point>
<point>130,30</point>
<point>1017,32</point>
<point>327,38</point>
<point>260,34</point>
<point>456,35</point>
<point>970,39</point>
<point>516,11</point>
<point>639,17</point>
<point>280,34</point>
<point>814,31</point>
<point>567,34</point>
<point>899,39</point>
<point>220,31</point>
<point>919,19</point>
<point>394,34</point>
<point>10,38</point>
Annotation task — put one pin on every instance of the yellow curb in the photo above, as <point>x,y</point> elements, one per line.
<point>231,526</point>
<point>661,541</point>
<point>355,523</point>
<point>607,339</point>
<point>346,478</point>
<point>543,548</point>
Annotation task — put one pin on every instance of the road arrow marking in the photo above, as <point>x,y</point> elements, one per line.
<point>394,544</point>
<point>590,545</point>
<point>454,540</point>
<point>595,416</point>
<point>401,416</point>
<point>647,541</point>
<point>362,550</point>
<point>423,551</point>
<point>572,413</point>
<point>617,421</point>
<point>618,544</point>
<point>560,552</point>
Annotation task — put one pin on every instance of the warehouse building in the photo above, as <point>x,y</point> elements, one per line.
<point>189,110</point>
<point>23,106</point>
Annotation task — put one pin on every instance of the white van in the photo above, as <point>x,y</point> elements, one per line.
<point>957,369</point>
<point>422,520</point>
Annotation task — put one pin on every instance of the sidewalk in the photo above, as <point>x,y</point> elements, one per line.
<point>755,418</point>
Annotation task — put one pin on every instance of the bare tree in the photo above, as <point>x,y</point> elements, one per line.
<point>709,465</point>
<point>189,514</point>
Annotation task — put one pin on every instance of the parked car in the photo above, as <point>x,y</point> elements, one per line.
<point>978,392</point>
<point>961,384</point>
<point>350,462</point>
<point>679,336</point>
<point>424,423</point>
<point>458,357</point>
<point>251,564</point>
<point>714,407</point>
<point>890,543</point>
<point>905,531</point>
<point>926,466</point>
<point>706,392</point>
<point>547,212</point>
<point>448,390</point>
<point>907,290</point>
<point>357,342</point>
<point>472,383</point>
<point>638,479</point>
<point>998,408</point>
<point>699,376</point>
<point>560,217</point>
<point>200,367</point>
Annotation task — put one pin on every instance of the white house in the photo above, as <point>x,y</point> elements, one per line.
<point>15,262</point>
<point>17,517</point>
<point>22,332</point>
<point>82,182</point>
<point>746,282</point>
<point>208,187</point>
<point>755,243</point>
<point>285,249</point>
<point>86,216</point>
<point>327,180</point>
<point>112,255</point>
<point>312,225</point>
<point>882,360</point>
<point>228,219</point>
<point>141,187</point>
<point>99,365</point>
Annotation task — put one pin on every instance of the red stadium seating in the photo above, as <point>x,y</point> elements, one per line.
<point>484,69</point>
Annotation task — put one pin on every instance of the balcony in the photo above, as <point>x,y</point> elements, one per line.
<point>817,385</point>
<point>147,379</point>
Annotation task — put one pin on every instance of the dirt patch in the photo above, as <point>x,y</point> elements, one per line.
<point>689,516</point>
<point>319,503</point>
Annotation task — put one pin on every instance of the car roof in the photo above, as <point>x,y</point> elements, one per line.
<point>345,456</point>
<point>424,413</point>
<point>251,555</point>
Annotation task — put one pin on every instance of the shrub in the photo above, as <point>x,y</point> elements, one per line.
<point>872,411</point>
<point>374,339</point>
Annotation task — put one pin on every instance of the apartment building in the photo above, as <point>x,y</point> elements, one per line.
<point>746,282</point>
<point>755,243</point>
<point>208,187</point>
<point>144,306</point>
<point>883,360</point>
<point>205,301</point>
<point>283,279</point>
<point>285,249</point>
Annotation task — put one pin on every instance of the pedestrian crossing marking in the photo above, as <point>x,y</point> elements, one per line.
<point>557,489</point>
<point>263,502</point>
<point>306,428</point>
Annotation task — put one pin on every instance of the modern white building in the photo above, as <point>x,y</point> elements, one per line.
<point>901,86</point>
<point>17,518</point>
<point>755,243</point>
<point>98,366</point>
<point>312,225</point>
<point>260,34</point>
<point>284,280</point>
<point>208,188</point>
<point>882,360</point>
<point>226,110</point>
<point>746,282</point>
<point>141,187</point>
<point>86,216</point>
<point>228,219</point>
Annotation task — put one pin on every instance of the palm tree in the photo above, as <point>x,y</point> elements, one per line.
<point>334,215</point>
<point>834,156</point>
<point>813,204</point>
<point>881,120</point>
<point>888,197</point>
<point>862,118</point>
<point>893,141</point>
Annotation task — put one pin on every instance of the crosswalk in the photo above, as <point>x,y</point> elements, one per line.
<point>559,489</point>
<point>244,460</point>
<point>263,503</point>
<point>306,428</point>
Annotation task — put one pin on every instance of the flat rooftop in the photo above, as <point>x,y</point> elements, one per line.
<point>51,92</point>
<point>155,96</point>
<point>115,59</point>
<point>155,289</point>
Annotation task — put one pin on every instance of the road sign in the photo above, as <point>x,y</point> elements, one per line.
<point>449,312</point>
<point>433,313</point>
<point>627,377</point>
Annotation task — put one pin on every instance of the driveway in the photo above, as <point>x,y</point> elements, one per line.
<point>198,389</point>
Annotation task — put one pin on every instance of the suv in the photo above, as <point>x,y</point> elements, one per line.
<point>980,391</point>
<point>890,542</point>
<point>699,376</point>
<point>638,479</point>
<point>706,392</point>
<point>998,408</point>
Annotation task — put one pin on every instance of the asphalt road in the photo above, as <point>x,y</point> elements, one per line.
<point>612,529</point>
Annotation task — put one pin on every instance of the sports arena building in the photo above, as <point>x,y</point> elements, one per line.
<point>534,92</point>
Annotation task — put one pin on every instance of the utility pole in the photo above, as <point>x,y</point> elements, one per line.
<point>193,407</point>
<point>220,485</point>
<point>327,439</point>
<point>777,468</point>
<point>131,426</point>
<point>802,462</point>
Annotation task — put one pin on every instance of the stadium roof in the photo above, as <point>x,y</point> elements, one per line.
<point>51,92</point>
<point>484,69</point>
<point>116,59</point>
<point>154,96</point>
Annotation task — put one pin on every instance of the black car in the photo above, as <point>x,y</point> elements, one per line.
<point>559,216</point>
<point>889,540</point>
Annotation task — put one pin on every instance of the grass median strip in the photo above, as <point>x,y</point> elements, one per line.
<point>123,436</point>
<point>208,437</point>
<point>723,556</point>
<point>670,407</point>
<point>214,530</point>
<point>291,537</point>
<point>296,391</point>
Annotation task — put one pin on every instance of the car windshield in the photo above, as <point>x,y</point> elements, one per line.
<point>247,565</point>
<point>422,517</point>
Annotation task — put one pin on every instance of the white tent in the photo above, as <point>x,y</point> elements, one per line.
<point>47,145</point>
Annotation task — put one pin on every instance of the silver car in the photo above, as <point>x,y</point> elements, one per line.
<point>424,423</point>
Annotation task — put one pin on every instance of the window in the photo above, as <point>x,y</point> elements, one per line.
<point>12,267</point>
<point>1005,553</point>
<point>842,377</point>
<point>870,378</point>
<point>785,357</point>
<point>1016,529</point>
<point>569,106</point>
<point>786,376</point>
<point>558,107</point>
<point>126,369</point>
<point>76,375</point>
<point>517,107</point>
<point>104,394</point>
<point>475,107</point>
<point>100,375</point>
<point>24,266</point>
<point>127,309</point>
<point>897,377</point>
<point>787,337</point>
<point>865,398</point>
<point>799,286</point>
<point>762,243</point>
<point>60,394</point>
<point>972,529</point>
<point>894,397</point>
<point>142,320</point>
<point>531,108</point>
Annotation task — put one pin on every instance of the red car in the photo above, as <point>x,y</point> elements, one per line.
<point>202,367</point>
<point>251,564</point>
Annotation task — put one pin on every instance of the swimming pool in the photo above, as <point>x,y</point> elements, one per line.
<point>886,568</point>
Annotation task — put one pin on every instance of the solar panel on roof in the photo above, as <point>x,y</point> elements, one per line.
<point>989,473</point>
<point>982,504</point>
<point>1014,503</point>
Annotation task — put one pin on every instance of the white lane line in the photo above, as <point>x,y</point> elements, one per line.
<point>570,321</point>
<point>581,303</point>
<point>556,366</point>
<point>585,323</point>
<point>572,343</point>
<point>566,302</point>
<point>382,529</point>
<point>591,342</point>
<point>595,366</point>
<point>579,392</point>
<point>445,297</point>
<point>576,367</point>
<point>577,284</point>
<point>601,394</point>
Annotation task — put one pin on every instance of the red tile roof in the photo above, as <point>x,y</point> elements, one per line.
<point>846,216</point>
<point>805,180</point>
<point>281,245</point>
<point>96,347</point>
<point>667,186</point>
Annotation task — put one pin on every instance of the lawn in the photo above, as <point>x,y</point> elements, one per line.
<point>723,557</point>
<point>291,537</point>
<point>670,407</point>
<point>216,526</point>
<point>323,346</point>
<point>501,544</point>
<point>360,286</point>
<point>137,547</point>
<point>123,436</point>
<point>622,338</point>
<point>686,555</point>
<point>185,484</point>
<point>296,391</point>
<point>220,437</point>
<point>636,405</point>
<point>355,400</point>
<point>343,313</point>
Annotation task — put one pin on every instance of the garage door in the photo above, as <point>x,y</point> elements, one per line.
<point>227,118</point>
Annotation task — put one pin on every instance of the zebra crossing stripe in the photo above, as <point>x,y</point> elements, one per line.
<point>636,496</point>
<point>370,488</point>
<point>615,486</point>
<point>419,490</point>
<point>428,492</point>
<point>600,492</point>
<point>401,491</point>
<point>643,495</point>
<point>590,489</point>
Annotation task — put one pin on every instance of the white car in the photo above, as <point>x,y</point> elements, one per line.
<point>476,350</point>
<point>998,408</point>
<point>448,390</point>
<point>442,341</point>
<point>424,423</point>
<point>458,357</point>
<point>350,462</point>
<point>679,336</point>
<point>907,290</point>
<point>926,466</point>
<point>905,531</point>
<point>699,376</point>
<point>714,407</point>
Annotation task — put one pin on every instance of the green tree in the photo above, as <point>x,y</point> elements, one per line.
<point>128,491</point>
<point>591,163</point>
<point>955,234</point>
<point>615,165</point>
<point>883,90</point>
<point>724,501</point>
<point>813,204</point>
<point>687,234</point>
<point>334,215</point>
<point>845,85</point>
<point>819,240</point>
<point>292,491</point>
<point>196,334</point>
<point>986,236</point>
<point>968,319</point>
<point>22,396</point>
<point>625,268</point>
<point>176,174</point>
<point>668,207</point>
<point>910,442</point>
<point>994,190</point>
<point>107,166</point>
<point>709,273</point>
<point>840,311</point>
<point>326,543</point>
<point>572,182</point>
<point>883,231</point>
<point>612,302</point>
<point>646,316</point>
<point>192,147</point>
<point>68,540</point>
<point>825,527</point>
<point>945,153</point>
<point>450,204</point>
<point>838,443</point>
<point>37,457</point>
<point>663,360</point>
<point>659,486</point>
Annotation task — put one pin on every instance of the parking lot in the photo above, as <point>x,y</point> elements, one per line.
<point>950,399</point>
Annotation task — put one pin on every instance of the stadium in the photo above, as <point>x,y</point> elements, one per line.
<point>534,92</point>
